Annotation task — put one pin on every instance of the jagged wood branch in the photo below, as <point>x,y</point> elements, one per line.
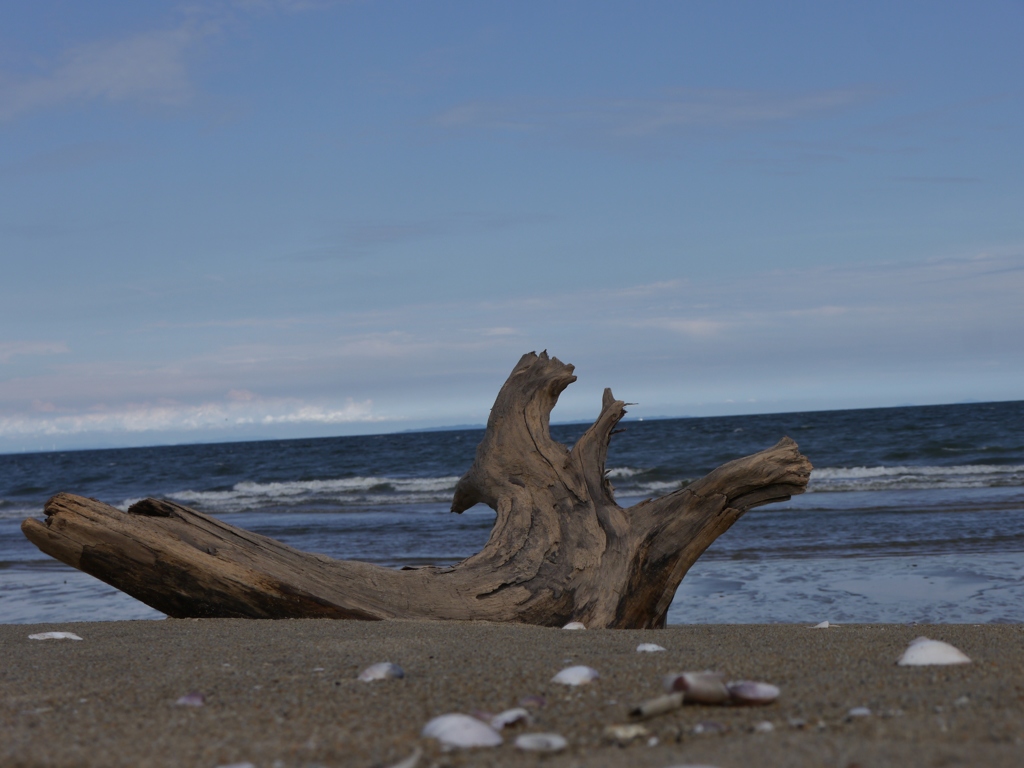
<point>560,549</point>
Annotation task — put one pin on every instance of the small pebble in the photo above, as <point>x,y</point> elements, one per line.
<point>54,636</point>
<point>533,701</point>
<point>193,699</point>
<point>710,726</point>
<point>578,675</point>
<point>541,742</point>
<point>384,670</point>
<point>765,726</point>
<point>574,625</point>
<point>649,648</point>
<point>858,712</point>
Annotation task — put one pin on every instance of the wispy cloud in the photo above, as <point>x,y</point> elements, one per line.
<point>356,238</point>
<point>11,349</point>
<point>677,111</point>
<point>147,68</point>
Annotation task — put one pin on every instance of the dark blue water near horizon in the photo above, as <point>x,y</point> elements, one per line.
<point>912,513</point>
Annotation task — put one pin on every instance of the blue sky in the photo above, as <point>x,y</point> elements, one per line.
<point>285,218</point>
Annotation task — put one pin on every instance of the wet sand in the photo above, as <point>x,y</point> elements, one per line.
<point>285,693</point>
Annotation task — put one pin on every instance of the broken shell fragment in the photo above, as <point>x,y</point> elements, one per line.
<point>455,730</point>
<point>575,675</point>
<point>510,717</point>
<point>624,734</point>
<point>385,670</point>
<point>649,648</point>
<point>541,742</point>
<point>410,761</point>
<point>574,625</point>
<point>698,687</point>
<point>193,699</point>
<point>749,692</point>
<point>659,705</point>
<point>54,636</point>
<point>924,652</point>
<point>822,625</point>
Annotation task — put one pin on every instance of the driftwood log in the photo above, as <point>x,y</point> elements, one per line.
<point>560,550</point>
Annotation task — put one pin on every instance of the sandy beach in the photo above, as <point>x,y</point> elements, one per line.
<point>286,693</point>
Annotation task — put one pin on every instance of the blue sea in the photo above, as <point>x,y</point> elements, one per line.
<point>912,514</point>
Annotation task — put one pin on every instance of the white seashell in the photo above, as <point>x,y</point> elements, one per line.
<point>541,742</point>
<point>457,730</point>
<point>193,699</point>
<point>574,625</point>
<point>510,717</point>
<point>699,687</point>
<point>750,692</point>
<point>575,675</point>
<point>923,652</point>
<point>385,670</point>
<point>649,648</point>
<point>859,712</point>
<point>765,726</point>
<point>822,625</point>
<point>54,636</point>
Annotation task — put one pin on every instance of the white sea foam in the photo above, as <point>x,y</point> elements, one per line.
<point>350,490</point>
<point>19,512</point>
<point>915,478</point>
<point>617,472</point>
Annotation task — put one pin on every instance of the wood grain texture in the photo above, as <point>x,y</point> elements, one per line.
<point>560,550</point>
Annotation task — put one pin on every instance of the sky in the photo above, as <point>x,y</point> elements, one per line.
<point>285,218</point>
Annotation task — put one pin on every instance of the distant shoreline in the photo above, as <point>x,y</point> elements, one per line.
<point>222,439</point>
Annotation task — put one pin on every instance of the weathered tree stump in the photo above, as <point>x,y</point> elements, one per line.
<point>560,550</point>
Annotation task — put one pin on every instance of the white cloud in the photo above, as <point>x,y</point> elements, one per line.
<point>159,417</point>
<point>944,330</point>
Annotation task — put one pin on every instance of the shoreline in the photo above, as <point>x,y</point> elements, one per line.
<point>285,693</point>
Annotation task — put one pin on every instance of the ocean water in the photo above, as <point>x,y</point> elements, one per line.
<point>912,514</point>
